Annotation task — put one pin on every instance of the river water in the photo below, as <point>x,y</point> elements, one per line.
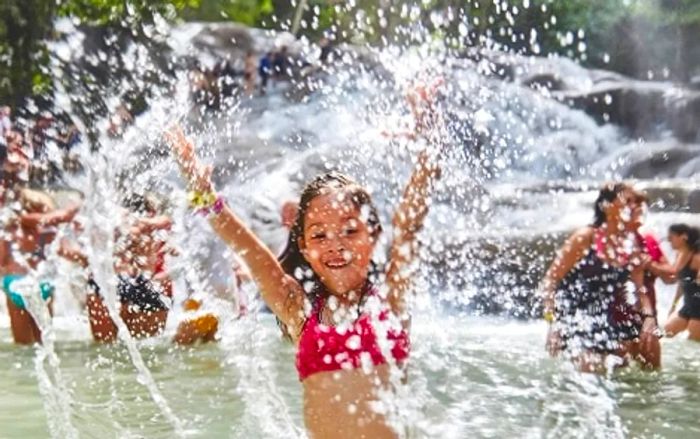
<point>470,377</point>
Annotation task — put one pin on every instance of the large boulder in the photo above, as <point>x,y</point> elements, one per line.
<point>644,108</point>
<point>639,106</point>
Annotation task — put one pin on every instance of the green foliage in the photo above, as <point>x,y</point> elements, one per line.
<point>638,35</point>
<point>24,24</point>
<point>249,12</point>
<point>670,12</point>
<point>102,12</point>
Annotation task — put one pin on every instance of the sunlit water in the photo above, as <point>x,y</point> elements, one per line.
<point>480,378</point>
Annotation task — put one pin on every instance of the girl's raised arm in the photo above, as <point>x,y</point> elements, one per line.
<point>410,214</point>
<point>280,292</point>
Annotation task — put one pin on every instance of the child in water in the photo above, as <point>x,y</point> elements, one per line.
<point>328,298</point>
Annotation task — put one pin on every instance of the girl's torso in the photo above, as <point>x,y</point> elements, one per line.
<point>339,404</point>
<point>342,368</point>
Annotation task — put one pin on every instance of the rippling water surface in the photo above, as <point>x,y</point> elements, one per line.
<point>470,377</point>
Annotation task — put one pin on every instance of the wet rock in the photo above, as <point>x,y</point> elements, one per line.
<point>644,108</point>
<point>661,163</point>
<point>225,37</point>
<point>545,80</point>
<point>640,107</point>
<point>693,201</point>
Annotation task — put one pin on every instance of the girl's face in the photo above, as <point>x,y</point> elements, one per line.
<point>337,242</point>
<point>677,241</point>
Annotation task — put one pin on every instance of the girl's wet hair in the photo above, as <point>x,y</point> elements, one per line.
<point>693,234</point>
<point>292,259</point>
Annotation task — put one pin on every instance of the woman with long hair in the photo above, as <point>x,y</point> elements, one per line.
<point>324,293</point>
<point>686,241</point>
<point>596,266</point>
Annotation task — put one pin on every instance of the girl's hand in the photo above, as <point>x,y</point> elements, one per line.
<point>198,176</point>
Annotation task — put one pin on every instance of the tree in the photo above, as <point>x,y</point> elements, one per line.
<point>683,18</point>
<point>24,24</point>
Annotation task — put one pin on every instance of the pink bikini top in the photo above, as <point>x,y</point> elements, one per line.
<point>324,348</point>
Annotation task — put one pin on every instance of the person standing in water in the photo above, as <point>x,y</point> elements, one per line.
<point>249,68</point>
<point>143,284</point>
<point>22,249</point>
<point>596,265</point>
<point>686,241</point>
<point>329,301</point>
<point>265,70</point>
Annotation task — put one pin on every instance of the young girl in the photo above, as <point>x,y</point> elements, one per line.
<point>327,299</point>
<point>686,241</point>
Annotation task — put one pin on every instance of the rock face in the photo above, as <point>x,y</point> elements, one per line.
<point>641,107</point>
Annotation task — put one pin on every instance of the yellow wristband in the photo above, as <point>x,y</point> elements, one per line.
<point>201,200</point>
<point>548,316</point>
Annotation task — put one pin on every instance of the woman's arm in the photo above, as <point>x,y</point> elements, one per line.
<point>59,216</point>
<point>645,304</point>
<point>4,255</point>
<point>663,270</point>
<point>280,292</point>
<point>667,271</point>
<point>147,225</point>
<point>573,250</point>
<point>413,208</point>
<point>69,251</point>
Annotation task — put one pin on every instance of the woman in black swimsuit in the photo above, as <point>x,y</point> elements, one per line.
<point>597,265</point>
<point>686,241</point>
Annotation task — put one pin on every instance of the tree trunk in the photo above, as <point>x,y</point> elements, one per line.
<point>682,54</point>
